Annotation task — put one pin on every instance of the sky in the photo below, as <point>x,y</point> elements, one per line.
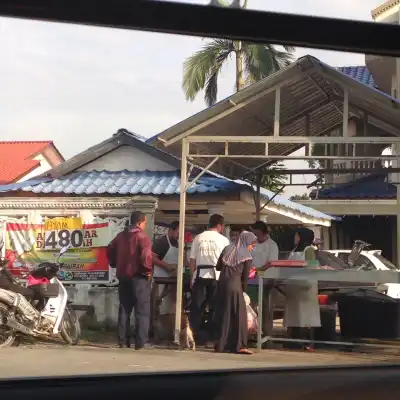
<point>77,85</point>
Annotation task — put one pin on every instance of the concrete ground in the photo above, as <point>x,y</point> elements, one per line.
<point>57,360</point>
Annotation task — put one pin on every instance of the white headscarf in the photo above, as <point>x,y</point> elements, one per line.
<point>239,252</point>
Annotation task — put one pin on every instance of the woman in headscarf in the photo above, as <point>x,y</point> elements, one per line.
<point>302,312</point>
<point>230,316</point>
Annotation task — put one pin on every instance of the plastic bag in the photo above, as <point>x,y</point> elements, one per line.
<point>252,320</point>
<point>252,273</point>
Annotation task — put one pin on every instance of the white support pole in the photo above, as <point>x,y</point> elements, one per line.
<point>345,122</point>
<point>181,241</point>
<point>260,311</point>
<point>277,111</point>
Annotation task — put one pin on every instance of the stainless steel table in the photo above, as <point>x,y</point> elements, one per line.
<point>284,274</point>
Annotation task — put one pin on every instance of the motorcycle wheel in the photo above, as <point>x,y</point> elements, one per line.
<point>7,335</point>
<point>70,327</point>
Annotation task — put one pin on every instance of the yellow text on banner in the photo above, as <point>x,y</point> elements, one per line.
<point>59,223</point>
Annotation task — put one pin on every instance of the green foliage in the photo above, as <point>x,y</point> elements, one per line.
<point>202,69</point>
<point>304,196</point>
<point>318,149</point>
<point>273,177</point>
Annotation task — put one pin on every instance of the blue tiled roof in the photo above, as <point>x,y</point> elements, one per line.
<point>360,73</point>
<point>369,187</point>
<point>125,182</point>
<point>156,183</point>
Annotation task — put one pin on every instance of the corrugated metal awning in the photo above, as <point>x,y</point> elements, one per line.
<point>311,100</point>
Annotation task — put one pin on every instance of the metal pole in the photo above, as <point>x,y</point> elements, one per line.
<point>277,111</point>
<point>260,310</point>
<point>181,241</point>
<point>206,169</point>
<point>397,153</point>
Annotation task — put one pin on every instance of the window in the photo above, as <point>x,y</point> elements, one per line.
<point>326,258</point>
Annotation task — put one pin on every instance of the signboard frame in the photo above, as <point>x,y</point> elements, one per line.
<point>98,251</point>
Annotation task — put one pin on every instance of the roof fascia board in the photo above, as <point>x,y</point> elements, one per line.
<point>88,155</point>
<point>108,145</point>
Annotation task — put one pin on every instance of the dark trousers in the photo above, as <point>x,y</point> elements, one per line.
<point>134,294</point>
<point>203,294</point>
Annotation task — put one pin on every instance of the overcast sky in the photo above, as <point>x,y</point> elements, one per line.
<point>77,85</point>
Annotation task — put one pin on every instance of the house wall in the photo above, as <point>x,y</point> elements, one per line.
<point>44,166</point>
<point>127,157</point>
<point>356,128</point>
<point>53,156</point>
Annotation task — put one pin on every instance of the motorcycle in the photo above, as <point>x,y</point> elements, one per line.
<point>41,309</point>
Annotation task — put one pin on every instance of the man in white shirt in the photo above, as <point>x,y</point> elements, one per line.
<point>266,249</point>
<point>205,252</point>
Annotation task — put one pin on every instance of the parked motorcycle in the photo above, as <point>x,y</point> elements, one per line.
<point>41,309</point>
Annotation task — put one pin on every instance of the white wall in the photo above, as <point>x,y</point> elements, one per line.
<point>43,167</point>
<point>390,16</point>
<point>127,157</point>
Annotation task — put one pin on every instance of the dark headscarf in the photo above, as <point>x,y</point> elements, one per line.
<point>306,238</point>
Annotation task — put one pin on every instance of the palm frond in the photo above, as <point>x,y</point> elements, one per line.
<point>202,69</point>
<point>211,90</point>
<point>263,60</point>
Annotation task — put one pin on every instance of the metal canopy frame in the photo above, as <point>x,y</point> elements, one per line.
<point>295,107</point>
<point>185,184</point>
<point>263,151</point>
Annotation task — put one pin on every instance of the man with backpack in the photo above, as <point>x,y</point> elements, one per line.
<point>130,253</point>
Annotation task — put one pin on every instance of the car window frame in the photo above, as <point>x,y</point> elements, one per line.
<point>357,263</point>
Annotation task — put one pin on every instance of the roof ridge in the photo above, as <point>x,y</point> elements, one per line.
<point>353,66</point>
<point>25,141</point>
<point>350,183</point>
<point>123,170</point>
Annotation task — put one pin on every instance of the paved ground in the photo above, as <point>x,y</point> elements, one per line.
<point>53,360</point>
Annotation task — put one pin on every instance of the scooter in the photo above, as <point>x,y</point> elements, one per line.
<point>41,309</point>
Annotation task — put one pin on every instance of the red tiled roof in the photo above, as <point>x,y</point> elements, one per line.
<point>16,159</point>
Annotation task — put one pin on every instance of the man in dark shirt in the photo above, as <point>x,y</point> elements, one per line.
<point>165,252</point>
<point>130,253</point>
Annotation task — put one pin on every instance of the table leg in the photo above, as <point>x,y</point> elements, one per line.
<point>260,312</point>
<point>268,312</point>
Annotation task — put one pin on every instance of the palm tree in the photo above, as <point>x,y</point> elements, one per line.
<point>253,63</point>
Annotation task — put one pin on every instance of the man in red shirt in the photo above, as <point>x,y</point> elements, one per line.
<point>130,253</point>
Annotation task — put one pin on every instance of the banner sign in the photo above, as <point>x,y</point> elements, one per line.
<point>86,260</point>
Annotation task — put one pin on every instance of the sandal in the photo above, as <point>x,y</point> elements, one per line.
<point>245,351</point>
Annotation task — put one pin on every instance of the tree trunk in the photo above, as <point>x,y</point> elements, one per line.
<point>239,55</point>
<point>239,66</point>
